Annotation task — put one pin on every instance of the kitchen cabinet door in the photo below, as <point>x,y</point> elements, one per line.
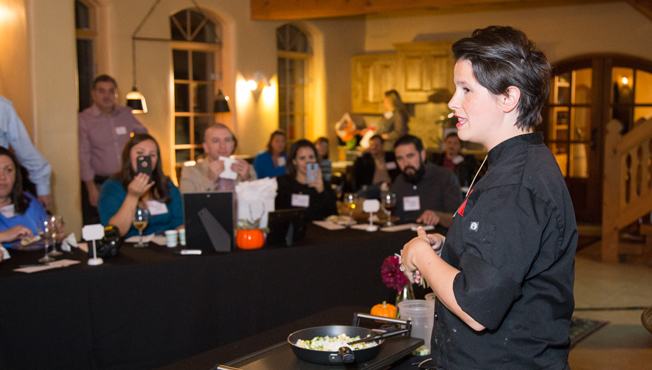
<point>372,75</point>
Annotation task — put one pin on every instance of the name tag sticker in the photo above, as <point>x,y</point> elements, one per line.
<point>390,165</point>
<point>156,208</point>
<point>300,200</point>
<point>281,161</point>
<point>411,203</point>
<point>121,130</point>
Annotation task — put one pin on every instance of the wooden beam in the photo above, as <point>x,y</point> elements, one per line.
<point>307,9</point>
<point>643,6</point>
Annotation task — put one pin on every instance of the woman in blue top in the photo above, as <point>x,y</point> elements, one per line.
<point>19,211</point>
<point>127,190</point>
<point>271,162</point>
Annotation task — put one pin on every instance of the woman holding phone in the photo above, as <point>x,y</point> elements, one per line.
<point>134,187</point>
<point>303,186</point>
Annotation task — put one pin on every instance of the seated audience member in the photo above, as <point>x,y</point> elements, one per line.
<point>464,166</point>
<point>19,211</point>
<point>123,192</point>
<point>425,193</point>
<point>374,168</point>
<point>326,165</point>
<point>13,133</point>
<point>219,141</point>
<point>294,190</point>
<point>271,162</point>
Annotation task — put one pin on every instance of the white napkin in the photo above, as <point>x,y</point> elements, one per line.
<point>256,199</point>
<point>329,225</point>
<point>136,239</point>
<point>69,241</point>
<point>48,266</point>
<point>228,173</point>
<point>5,253</point>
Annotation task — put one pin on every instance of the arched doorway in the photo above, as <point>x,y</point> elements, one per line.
<point>586,93</point>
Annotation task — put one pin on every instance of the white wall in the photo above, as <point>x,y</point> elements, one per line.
<point>561,32</point>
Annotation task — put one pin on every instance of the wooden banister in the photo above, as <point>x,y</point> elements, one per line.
<point>627,190</point>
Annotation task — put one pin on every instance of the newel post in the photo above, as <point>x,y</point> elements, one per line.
<point>610,192</point>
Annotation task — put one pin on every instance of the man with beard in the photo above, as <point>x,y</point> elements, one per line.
<point>425,193</point>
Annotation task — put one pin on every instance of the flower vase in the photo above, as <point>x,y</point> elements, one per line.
<point>407,293</point>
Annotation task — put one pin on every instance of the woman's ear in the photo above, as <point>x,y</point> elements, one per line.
<point>510,99</point>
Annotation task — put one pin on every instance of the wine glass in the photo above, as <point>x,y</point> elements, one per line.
<point>141,218</point>
<point>349,200</point>
<point>388,200</point>
<point>46,231</point>
<point>57,230</point>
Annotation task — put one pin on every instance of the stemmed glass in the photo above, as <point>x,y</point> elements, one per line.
<point>141,218</point>
<point>46,231</point>
<point>349,200</point>
<point>388,201</point>
<point>57,229</point>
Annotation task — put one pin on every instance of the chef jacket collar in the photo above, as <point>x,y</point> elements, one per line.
<point>511,145</point>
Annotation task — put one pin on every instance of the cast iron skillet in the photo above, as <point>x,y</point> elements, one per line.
<point>344,354</point>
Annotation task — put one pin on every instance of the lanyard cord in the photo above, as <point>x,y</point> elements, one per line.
<point>475,177</point>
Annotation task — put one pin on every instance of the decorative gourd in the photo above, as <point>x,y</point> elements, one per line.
<point>250,239</point>
<point>384,310</point>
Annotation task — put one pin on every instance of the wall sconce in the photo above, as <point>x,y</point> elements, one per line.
<point>221,103</point>
<point>258,82</point>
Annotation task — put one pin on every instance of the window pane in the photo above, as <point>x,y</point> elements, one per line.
<point>578,161</point>
<point>298,99</point>
<point>561,89</point>
<point>203,102</point>
<point>181,130</point>
<point>643,87</point>
<point>582,86</point>
<point>623,114</point>
<point>82,17</point>
<point>178,33</point>
<point>180,64</point>
<point>203,66</point>
<point>199,151</point>
<point>642,114</point>
<point>299,72</point>
<point>181,98</point>
<point>282,96</point>
<point>85,72</point>
<point>559,123</point>
<point>207,34</point>
<point>561,155</point>
<point>282,64</point>
<point>182,155</point>
<point>201,123</point>
<point>622,81</point>
<point>581,124</point>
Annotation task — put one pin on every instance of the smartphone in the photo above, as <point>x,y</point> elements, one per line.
<point>144,164</point>
<point>312,171</point>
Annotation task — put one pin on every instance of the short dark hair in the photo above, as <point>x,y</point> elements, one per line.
<point>18,198</point>
<point>104,78</point>
<point>502,57</point>
<point>379,137</point>
<point>452,134</point>
<point>409,139</point>
<point>222,126</point>
<point>271,138</point>
<point>303,143</point>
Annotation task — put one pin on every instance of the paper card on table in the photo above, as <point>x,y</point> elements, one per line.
<point>411,203</point>
<point>93,232</point>
<point>160,240</point>
<point>300,200</point>
<point>156,208</point>
<point>360,227</point>
<point>398,227</point>
<point>371,205</point>
<point>329,225</point>
<point>228,173</point>
<point>48,266</point>
<point>136,238</point>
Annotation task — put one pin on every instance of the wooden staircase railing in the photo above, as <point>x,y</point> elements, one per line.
<point>627,190</point>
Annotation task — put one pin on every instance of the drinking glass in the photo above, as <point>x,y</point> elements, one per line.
<point>46,231</point>
<point>388,201</point>
<point>141,218</point>
<point>349,200</point>
<point>57,230</point>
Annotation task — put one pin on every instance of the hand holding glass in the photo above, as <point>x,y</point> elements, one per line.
<point>141,218</point>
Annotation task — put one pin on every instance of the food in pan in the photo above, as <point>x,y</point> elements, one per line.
<point>332,344</point>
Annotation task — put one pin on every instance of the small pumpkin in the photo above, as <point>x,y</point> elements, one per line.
<point>250,239</point>
<point>385,310</point>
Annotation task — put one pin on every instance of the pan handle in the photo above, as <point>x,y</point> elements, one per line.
<point>359,315</point>
<point>346,355</point>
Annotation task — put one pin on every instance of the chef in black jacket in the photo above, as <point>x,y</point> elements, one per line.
<point>504,281</point>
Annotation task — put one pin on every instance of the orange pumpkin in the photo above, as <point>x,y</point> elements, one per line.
<point>250,239</point>
<point>384,310</point>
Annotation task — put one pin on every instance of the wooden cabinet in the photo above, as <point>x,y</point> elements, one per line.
<point>415,71</point>
<point>372,75</point>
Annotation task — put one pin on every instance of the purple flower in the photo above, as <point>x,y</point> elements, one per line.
<point>393,277</point>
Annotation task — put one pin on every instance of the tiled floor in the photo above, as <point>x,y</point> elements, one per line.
<point>624,343</point>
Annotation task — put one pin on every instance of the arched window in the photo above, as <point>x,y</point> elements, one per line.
<point>86,31</point>
<point>586,93</point>
<point>197,64</point>
<point>294,64</point>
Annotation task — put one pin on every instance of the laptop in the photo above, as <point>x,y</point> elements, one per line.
<point>286,226</point>
<point>209,221</point>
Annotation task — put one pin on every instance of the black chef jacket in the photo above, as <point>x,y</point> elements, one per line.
<point>514,242</point>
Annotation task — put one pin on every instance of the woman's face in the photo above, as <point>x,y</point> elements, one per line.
<point>144,148</point>
<point>304,156</point>
<point>7,176</point>
<point>478,110</point>
<point>278,144</point>
<point>322,149</point>
<point>388,104</point>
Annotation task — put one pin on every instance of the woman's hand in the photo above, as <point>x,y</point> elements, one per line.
<point>15,233</point>
<point>418,249</point>
<point>241,167</point>
<point>428,217</point>
<point>318,182</point>
<point>215,168</point>
<point>139,185</point>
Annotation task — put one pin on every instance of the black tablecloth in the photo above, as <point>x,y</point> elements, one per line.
<point>149,307</point>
